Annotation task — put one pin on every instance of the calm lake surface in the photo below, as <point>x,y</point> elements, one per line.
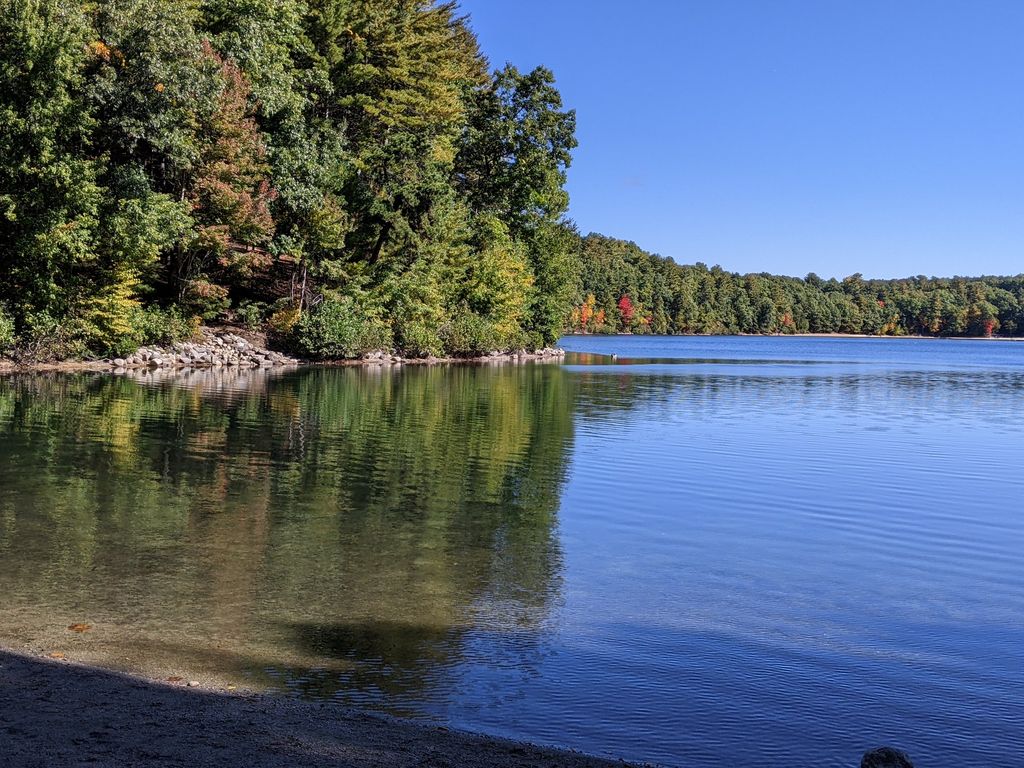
<point>703,552</point>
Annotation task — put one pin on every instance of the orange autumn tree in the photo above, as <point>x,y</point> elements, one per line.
<point>586,311</point>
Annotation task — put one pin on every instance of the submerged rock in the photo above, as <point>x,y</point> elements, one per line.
<point>886,757</point>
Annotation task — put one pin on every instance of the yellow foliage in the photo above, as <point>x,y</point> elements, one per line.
<point>108,314</point>
<point>285,319</point>
<point>100,50</point>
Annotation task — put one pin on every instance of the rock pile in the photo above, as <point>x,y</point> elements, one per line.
<point>547,353</point>
<point>223,349</point>
<point>383,357</point>
<point>213,349</point>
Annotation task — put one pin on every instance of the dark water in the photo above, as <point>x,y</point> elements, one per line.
<point>704,552</point>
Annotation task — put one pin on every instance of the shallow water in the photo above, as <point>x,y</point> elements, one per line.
<point>703,551</point>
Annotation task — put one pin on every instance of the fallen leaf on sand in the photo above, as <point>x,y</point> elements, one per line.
<point>80,627</point>
<point>56,655</point>
<point>174,679</point>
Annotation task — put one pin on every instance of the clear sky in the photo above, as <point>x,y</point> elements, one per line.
<point>788,136</point>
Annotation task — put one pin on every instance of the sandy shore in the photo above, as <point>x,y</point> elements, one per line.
<point>61,713</point>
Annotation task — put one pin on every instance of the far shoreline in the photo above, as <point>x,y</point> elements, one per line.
<point>894,338</point>
<point>791,336</point>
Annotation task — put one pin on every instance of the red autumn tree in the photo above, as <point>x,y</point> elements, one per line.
<point>626,311</point>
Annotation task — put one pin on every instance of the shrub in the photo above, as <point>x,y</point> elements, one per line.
<point>470,335</point>
<point>103,320</point>
<point>376,335</point>
<point>338,329</point>
<point>514,337</point>
<point>251,313</point>
<point>418,339</point>
<point>283,317</point>
<point>45,340</point>
<point>7,336</point>
<point>153,325</point>
<point>206,299</point>
<point>139,326</point>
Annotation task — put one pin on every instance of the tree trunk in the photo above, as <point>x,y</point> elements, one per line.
<point>379,245</point>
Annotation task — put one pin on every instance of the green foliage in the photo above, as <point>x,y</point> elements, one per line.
<point>150,84</point>
<point>219,156</point>
<point>283,317</point>
<point>251,313</point>
<point>497,279</point>
<point>512,163</point>
<point>115,326</point>
<point>104,320</point>
<point>400,73</point>
<point>137,228</point>
<point>418,339</point>
<point>49,197</point>
<point>208,154</point>
<point>46,339</point>
<point>556,280</point>
<point>153,325</point>
<point>516,148</point>
<point>340,329</point>
<point>7,334</point>
<point>469,335</point>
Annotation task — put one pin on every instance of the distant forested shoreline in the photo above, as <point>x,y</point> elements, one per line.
<point>628,290</point>
<point>346,175</point>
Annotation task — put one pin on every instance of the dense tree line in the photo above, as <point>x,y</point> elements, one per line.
<point>350,175</point>
<point>350,164</point>
<point>627,290</point>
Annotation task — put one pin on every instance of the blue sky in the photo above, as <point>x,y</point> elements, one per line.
<point>835,136</point>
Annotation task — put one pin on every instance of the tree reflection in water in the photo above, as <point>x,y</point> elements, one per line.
<point>342,533</point>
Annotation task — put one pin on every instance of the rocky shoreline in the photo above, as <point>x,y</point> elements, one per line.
<point>213,349</point>
<point>495,356</point>
<point>220,348</point>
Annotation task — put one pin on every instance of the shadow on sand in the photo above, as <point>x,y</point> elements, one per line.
<point>58,713</point>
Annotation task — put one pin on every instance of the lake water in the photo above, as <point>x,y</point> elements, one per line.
<point>702,551</point>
